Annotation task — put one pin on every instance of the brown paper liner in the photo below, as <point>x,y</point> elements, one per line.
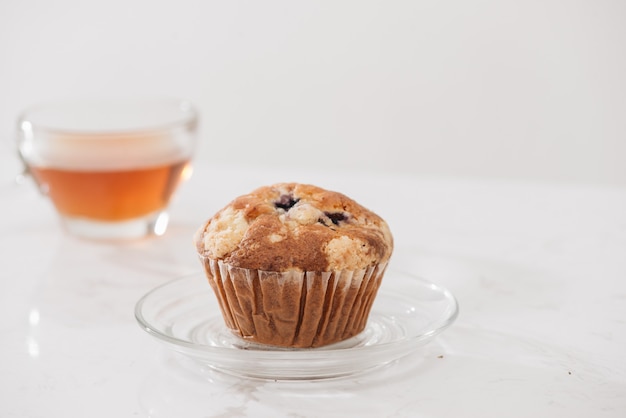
<point>294,309</point>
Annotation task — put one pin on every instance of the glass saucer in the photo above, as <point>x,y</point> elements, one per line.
<point>408,312</point>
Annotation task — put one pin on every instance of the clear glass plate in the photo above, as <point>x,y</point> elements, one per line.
<point>408,312</point>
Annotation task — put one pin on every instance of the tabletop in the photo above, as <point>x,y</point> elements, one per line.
<point>539,272</point>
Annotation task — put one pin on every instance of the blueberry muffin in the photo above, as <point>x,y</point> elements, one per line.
<point>294,265</point>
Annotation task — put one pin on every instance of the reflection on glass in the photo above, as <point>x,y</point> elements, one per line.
<point>32,346</point>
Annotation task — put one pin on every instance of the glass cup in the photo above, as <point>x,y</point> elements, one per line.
<point>110,167</point>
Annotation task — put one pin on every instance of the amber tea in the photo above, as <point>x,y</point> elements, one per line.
<point>109,168</point>
<point>110,195</point>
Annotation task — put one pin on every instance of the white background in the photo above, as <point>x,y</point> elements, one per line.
<point>531,90</point>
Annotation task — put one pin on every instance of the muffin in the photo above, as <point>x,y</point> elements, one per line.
<point>294,265</point>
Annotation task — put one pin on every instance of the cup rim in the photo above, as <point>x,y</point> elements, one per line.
<point>184,114</point>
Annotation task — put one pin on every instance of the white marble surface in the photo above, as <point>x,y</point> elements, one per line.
<point>539,272</point>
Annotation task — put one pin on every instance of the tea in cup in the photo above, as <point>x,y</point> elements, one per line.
<point>110,167</point>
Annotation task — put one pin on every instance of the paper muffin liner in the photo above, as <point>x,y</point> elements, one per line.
<point>294,309</point>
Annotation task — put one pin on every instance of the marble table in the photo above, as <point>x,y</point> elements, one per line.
<point>539,271</point>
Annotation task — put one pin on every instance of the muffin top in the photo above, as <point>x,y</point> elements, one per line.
<point>291,226</point>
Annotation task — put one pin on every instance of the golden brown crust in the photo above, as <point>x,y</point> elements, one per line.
<point>295,226</point>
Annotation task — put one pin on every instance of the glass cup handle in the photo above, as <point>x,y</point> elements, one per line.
<point>21,177</point>
<point>25,174</point>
